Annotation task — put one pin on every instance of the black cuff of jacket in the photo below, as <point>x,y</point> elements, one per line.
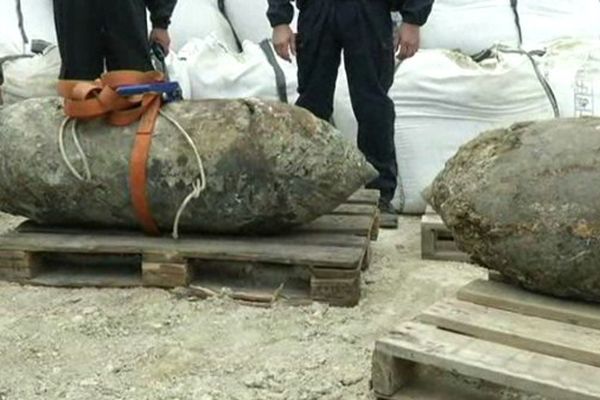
<point>281,14</point>
<point>276,21</point>
<point>413,19</point>
<point>161,23</point>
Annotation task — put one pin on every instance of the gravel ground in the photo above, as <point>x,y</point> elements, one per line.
<point>139,344</point>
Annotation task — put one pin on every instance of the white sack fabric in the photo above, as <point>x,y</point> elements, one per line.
<point>199,19</point>
<point>216,72</point>
<point>469,26</point>
<point>38,24</point>
<point>38,20</point>
<point>546,20</point>
<point>248,19</point>
<point>572,68</point>
<point>11,41</point>
<point>29,77</point>
<point>443,99</point>
<point>205,69</point>
<point>473,26</point>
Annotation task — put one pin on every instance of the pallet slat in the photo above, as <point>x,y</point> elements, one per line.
<point>361,225</point>
<point>557,339</point>
<point>364,196</point>
<point>504,365</point>
<point>510,298</point>
<point>315,238</point>
<point>319,261</point>
<point>208,248</point>
<point>66,279</point>
<point>388,221</point>
<point>355,209</point>
<point>437,242</point>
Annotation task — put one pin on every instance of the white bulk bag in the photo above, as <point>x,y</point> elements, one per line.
<point>29,77</point>
<point>249,20</point>
<point>216,72</point>
<point>547,20</point>
<point>443,99</point>
<point>177,70</point>
<point>198,19</point>
<point>38,20</point>
<point>11,41</point>
<point>473,26</point>
<point>572,68</point>
<point>469,26</point>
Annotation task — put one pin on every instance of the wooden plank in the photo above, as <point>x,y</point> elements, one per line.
<point>451,256</point>
<point>360,225</point>
<point>231,249</point>
<point>557,339</point>
<point>356,209</point>
<point>388,373</point>
<point>511,298</point>
<point>16,273</point>
<point>405,380</point>
<point>105,279</point>
<point>492,362</point>
<point>15,263</point>
<point>433,221</point>
<point>337,292</point>
<point>437,242</point>
<point>12,255</point>
<point>388,221</point>
<point>364,196</point>
<point>335,239</point>
<point>326,230</point>
<point>325,273</point>
<point>165,274</point>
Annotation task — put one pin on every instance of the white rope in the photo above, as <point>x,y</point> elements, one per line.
<point>198,185</point>
<point>63,152</point>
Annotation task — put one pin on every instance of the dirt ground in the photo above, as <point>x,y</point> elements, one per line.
<point>142,344</point>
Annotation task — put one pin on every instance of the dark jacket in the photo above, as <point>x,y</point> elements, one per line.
<point>160,12</point>
<point>413,11</point>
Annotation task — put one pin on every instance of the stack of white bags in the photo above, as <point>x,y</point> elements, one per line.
<point>443,96</point>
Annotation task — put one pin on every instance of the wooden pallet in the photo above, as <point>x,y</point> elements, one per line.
<point>371,197</point>
<point>321,261</point>
<point>495,341</point>
<point>437,241</point>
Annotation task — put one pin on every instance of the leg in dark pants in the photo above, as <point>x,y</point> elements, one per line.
<point>368,42</point>
<point>126,34</point>
<point>319,57</point>
<point>79,32</point>
<point>95,33</point>
<point>363,29</point>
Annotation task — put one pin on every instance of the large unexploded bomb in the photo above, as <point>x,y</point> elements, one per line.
<point>268,166</point>
<point>525,201</point>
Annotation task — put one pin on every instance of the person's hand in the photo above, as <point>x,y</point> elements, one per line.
<point>161,36</point>
<point>284,41</point>
<point>407,40</point>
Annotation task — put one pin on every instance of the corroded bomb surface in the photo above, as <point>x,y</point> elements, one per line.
<point>525,201</point>
<point>269,167</point>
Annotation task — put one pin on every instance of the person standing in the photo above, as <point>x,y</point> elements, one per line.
<point>98,35</point>
<point>363,31</point>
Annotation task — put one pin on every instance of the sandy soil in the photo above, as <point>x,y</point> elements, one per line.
<point>139,344</point>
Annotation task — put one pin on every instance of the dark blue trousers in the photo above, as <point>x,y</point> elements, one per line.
<point>94,34</point>
<point>362,31</point>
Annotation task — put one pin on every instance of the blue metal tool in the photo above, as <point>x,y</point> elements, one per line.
<point>171,91</point>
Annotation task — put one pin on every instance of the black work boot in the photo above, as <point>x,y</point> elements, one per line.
<point>386,207</point>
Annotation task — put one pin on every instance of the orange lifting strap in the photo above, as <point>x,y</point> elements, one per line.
<point>87,100</point>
